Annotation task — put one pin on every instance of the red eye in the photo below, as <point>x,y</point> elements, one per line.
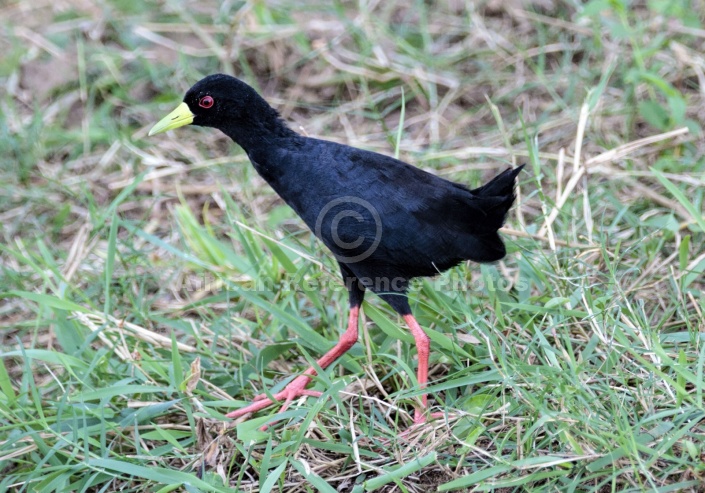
<point>206,102</point>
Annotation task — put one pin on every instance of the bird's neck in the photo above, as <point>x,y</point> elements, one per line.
<point>260,133</point>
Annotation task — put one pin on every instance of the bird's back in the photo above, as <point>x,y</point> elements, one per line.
<point>377,213</point>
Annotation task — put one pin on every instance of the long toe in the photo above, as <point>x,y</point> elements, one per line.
<point>421,418</point>
<point>294,389</point>
<point>256,405</point>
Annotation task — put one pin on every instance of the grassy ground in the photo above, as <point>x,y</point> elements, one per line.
<point>149,285</point>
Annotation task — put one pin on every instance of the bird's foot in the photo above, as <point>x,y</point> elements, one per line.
<point>416,429</point>
<point>421,418</point>
<point>294,389</point>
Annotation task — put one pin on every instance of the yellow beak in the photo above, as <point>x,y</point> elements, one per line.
<point>178,118</point>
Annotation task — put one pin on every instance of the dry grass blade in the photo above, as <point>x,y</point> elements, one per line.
<point>572,365</point>
<point>624,150</point>
<point>103,325</point>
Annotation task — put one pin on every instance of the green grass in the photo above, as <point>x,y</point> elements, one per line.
<point>150,285</point>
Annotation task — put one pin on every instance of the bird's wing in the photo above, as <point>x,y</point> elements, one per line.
<point>427,219</point>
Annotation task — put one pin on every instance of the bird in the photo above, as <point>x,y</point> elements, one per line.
<point>386,222</point>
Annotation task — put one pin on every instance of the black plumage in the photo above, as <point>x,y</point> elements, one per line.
<point>385,221</point>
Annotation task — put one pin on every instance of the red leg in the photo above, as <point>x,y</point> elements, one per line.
<point>423,345</point>
<point>297,387</point>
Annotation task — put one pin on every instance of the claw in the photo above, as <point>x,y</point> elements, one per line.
<point>297,387</point>
<point>294,389</point>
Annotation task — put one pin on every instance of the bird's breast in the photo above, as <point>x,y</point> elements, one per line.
<point>328,196</point>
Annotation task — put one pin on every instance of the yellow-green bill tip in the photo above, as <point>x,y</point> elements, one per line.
<point>178,118</point>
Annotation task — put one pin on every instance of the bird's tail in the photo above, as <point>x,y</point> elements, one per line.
<point>500,193</point>
<point>496,198</point>
<point>501,185</point>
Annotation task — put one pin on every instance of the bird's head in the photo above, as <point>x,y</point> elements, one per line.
<point>218,101</point>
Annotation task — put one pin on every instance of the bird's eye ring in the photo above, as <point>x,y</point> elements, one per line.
<point>206,102</point>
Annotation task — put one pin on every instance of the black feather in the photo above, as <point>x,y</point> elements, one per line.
<point>386,221</point>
